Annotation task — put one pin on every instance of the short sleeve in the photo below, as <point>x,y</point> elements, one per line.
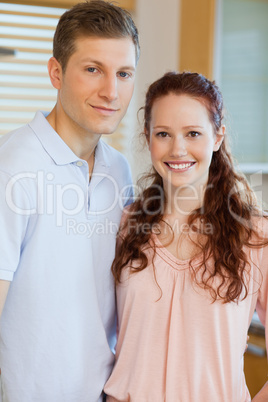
<point>14,214</point>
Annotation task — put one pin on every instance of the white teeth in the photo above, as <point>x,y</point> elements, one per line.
<point>180,166</point>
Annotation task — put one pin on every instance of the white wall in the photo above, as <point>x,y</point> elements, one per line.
<point>158,25</point>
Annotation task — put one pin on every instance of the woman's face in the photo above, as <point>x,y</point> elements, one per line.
<point>182,141</point>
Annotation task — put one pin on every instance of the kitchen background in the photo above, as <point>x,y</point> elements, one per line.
<point>226,40</point>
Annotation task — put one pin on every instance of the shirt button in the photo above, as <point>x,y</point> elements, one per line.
<point>79,163</point>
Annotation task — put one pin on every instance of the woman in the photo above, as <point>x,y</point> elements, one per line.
<point>192,256</point>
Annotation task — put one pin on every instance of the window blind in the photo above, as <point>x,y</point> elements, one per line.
<point>127,4</point>
<point>26,31</point>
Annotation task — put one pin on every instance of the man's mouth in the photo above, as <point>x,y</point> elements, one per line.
<point>105,111</point>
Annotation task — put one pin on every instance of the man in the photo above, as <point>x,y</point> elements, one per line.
<point>62,194</point>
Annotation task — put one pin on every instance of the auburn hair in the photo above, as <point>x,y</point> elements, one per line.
<point>229,203</point>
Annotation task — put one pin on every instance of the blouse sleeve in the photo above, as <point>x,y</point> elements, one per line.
<point>262,302</point>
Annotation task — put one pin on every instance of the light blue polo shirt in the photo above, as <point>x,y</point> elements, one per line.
<point>57,245</point>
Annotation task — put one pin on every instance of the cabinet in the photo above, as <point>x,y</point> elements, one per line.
<point>255,359</point>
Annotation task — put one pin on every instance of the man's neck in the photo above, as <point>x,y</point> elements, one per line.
<point>81,143</point>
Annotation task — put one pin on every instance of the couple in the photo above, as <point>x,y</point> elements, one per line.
<point>191,250</point>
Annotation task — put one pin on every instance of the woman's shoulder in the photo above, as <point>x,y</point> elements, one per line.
<point>128,213</point>
<point>135,224</point>
<point>260,225</point>
<point>131,213</point>
<point>127,220</point>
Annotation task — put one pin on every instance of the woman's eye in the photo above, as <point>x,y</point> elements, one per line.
<point>162,134</point>
<point>194,134</point>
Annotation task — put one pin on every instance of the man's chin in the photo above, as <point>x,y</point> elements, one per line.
<point>109,131</point>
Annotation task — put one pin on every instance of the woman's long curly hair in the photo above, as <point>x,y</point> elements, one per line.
<point>229,203</point>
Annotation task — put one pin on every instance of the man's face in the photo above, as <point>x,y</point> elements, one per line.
<point>97,85</point>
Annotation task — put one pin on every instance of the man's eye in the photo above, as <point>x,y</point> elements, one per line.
<point>123,74</point>
<point>91,69</point>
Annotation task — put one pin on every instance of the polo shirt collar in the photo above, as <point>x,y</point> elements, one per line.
<point>53,144</point>
<point>101,155</point>
<point>56,148</point>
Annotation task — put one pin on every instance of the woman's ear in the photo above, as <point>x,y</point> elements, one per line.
<point>147,136</point>
<point>55,72</point>
<point>219,138</point>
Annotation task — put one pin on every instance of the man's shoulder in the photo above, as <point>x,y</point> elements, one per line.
<point>13,135</point>
<point>17,148</point>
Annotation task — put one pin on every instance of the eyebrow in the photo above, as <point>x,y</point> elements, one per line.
<point>194,126</point>
<point>161,127</point>
<point>168,127</point>
<point>99,63</point>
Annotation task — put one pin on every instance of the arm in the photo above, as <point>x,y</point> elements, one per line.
<point>14,207</point>
<point>262,306</point>
<point>4,286</point>
<point>262,396</point>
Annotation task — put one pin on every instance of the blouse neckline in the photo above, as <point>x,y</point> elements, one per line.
<point>177,263</point>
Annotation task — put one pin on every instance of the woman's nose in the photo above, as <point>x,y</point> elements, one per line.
<point>178,147</point>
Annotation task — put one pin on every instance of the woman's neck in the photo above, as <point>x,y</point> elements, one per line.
<point>182,205</point>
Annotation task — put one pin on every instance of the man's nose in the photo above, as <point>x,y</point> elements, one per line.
<point>109,88</point>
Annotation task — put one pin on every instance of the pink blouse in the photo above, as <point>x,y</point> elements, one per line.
<point>174,343</point>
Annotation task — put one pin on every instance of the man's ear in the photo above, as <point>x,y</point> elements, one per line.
<point>55,72</point>
<point>219,138</point>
